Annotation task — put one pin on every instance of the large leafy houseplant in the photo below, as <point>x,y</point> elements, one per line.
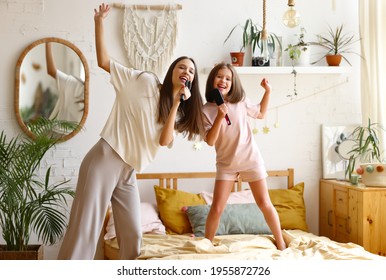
<point>337,43</point>
<point>29,204</point>
<point>366,148</point>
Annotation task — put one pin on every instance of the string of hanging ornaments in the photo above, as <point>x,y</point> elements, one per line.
<point>149,35</point>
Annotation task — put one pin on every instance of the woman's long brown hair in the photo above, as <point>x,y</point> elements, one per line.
<point>190,122</point>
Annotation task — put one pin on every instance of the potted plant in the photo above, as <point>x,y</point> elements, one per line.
<point>251,36</point>
<point>299,53</point>
<point>367,151</point>
<point>28,203</point>
<point>337,43</point>
<point>237,58</point>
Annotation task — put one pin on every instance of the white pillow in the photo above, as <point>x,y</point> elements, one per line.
<point>244,196</point>
<point>150,221</point>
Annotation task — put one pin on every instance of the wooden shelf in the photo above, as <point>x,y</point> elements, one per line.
<point>253,70</point>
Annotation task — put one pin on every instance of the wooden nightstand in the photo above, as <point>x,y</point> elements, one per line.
<point>349,213</point>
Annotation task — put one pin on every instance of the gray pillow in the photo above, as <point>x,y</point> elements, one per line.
<point>245,218</point>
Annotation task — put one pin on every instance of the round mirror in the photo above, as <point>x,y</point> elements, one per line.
<point>51,82</point>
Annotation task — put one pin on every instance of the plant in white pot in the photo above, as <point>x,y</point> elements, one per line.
<point>367,151</point>
<point>300,52</point>
<point>28,203</point>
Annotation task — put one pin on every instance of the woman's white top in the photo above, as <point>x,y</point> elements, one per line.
<point>132,129</point>
<point>70,103</point>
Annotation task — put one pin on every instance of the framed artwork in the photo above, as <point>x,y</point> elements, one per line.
<point>336,143</point>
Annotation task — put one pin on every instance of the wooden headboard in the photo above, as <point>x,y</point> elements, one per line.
<point>170,180</point>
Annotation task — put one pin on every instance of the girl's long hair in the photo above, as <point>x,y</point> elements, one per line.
<point>190,121</point>
<point>236,93</point>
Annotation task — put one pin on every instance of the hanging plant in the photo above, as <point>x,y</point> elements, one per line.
<point>295,92</point>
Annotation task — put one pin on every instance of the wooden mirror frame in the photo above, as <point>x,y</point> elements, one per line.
<point>17,85</point>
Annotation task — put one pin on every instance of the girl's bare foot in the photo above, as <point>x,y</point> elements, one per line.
<point>281,245</point>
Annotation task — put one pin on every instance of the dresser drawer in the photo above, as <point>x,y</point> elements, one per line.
<point>341,225</point>
<point>341,203</point>
<point>341,230</point>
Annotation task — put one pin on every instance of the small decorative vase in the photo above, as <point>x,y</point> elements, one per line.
<point>333,59</point>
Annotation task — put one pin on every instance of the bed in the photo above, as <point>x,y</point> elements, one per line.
<point>173,227</point>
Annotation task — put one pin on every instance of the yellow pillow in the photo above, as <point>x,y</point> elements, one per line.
<point>289,205</point>
<point>169,203</point>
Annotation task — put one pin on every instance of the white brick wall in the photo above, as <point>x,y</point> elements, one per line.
<point>297,143</point>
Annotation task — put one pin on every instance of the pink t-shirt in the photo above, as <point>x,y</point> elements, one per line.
<point>235,147</point>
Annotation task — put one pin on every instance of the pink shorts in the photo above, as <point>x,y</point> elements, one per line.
<point>250,175</point>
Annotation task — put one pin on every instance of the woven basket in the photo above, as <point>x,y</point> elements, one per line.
<point>34,252</point>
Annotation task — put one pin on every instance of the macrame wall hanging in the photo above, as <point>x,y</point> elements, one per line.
<point>149,35</point>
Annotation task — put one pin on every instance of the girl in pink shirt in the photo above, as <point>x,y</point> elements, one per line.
<point>237,154</point>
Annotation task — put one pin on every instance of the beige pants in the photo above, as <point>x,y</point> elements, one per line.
<point>103,177</point>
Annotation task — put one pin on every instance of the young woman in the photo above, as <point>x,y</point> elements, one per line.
<point>237,153</point>
<point>144,116</point>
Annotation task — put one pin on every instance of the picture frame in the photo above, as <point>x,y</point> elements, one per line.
<point>335,163</point>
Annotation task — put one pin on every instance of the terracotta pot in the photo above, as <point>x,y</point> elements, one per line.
<point>333,59</point>
<point>237,58</point>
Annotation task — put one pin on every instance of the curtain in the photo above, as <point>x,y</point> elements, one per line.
<point>372,25</point>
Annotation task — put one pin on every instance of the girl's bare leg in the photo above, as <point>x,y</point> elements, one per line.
<point>222,190</point>
<point>260,193</point>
